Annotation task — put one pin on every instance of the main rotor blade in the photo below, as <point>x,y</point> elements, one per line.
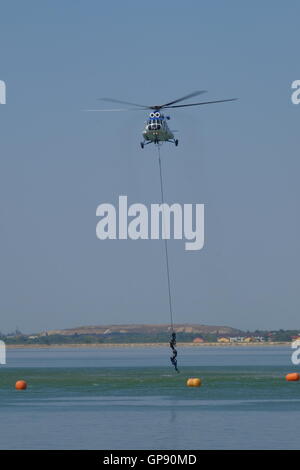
<point>120,109</point>
<point>198,104</point>
<point>190,95</point>
<point>168,105</point>
<point>112,100</point>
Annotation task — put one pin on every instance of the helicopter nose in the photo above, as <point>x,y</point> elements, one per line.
<point>154,127</point>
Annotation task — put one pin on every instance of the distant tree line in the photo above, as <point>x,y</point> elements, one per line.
<point>119,338</point>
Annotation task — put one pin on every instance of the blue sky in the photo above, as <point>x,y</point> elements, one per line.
<point>58,162</point>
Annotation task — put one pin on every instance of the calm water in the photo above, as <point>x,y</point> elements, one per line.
<point>132,399</point>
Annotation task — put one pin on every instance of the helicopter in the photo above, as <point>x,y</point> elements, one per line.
<point>156,129</point>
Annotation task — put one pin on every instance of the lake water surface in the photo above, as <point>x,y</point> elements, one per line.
<point>131,398</point>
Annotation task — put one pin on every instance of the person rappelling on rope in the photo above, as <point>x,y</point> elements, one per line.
<point>172,346</point>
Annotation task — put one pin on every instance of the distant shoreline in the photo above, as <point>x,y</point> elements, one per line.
<point>141,345</point>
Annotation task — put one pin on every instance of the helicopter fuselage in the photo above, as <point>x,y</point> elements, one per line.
<point>157,130</point>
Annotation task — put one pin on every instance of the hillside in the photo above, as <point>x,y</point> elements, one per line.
<point>147,329</point>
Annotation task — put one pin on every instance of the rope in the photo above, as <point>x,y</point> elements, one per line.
<point>173,335</point>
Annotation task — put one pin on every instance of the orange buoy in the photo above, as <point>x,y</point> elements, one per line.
<point>293,377</point>
<point>21,385</point>
<point>193,382</point>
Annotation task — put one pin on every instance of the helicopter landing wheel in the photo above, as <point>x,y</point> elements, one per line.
<point>142,145</point>
<point>176,142</point>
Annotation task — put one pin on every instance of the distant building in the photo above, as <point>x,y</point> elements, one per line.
<point>223,340</point>
<point>249,339</point>
<point>236,339</point>
<point>198,340</point>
